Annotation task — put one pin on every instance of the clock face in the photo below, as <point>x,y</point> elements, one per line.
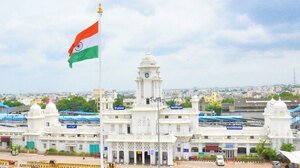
<point>146,75</point>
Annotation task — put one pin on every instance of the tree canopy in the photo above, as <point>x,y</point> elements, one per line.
<point>216,106</point>
<point>285,95</point>
<point>265,152</point>
<point>171,102</point>
<point>13,103</point>
<point>287,147</point>
<point>76,103</point>
<point>187,103</point>
<point>228,100</point>
<point>119,101</point>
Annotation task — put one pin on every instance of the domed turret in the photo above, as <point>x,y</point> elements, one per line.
<point>35,119</point>
<point>280,105</point>
<point>195,97</point>
<point>35,110</point>
<point>148,60</point>
<point>51,108</point>
<point>271,103</point>
<point>195,102</point>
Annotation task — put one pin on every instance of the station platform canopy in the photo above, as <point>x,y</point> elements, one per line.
<point>12,118</point>
<point>68,112</point>
<point>79,118</point>
<point>220,119</point>
<point>294,157</point>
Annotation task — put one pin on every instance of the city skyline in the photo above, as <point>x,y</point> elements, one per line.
<point>197,44</point>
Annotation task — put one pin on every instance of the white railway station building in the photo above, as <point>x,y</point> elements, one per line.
<point>131,136</point>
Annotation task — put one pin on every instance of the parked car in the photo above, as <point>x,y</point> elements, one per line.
<point>220,160</point>
<point>276,164</point>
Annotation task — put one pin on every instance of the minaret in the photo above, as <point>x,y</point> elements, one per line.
<point>279,124</point>
<point>36,119</point>
<point>51,115</point>
<point>148,81</point>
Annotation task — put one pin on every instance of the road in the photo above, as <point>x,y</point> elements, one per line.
<point>23,158</point>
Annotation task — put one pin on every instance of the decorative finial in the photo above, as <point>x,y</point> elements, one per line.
<point>100,10</point>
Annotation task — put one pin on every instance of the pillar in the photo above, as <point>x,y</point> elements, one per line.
<point>143,154</point>
<point>134,152</point>
<point>118,154</point>
<point>161,154</point>
<point>247,149</point>
<point>135,159</point>
<point>152,157</point>
<point>109,154</point>
<point>170,155</point>
<point>126,153</point>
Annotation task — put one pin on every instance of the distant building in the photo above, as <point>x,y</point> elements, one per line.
<point>253,105</point>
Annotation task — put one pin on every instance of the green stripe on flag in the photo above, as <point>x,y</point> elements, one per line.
<point>88,53</point>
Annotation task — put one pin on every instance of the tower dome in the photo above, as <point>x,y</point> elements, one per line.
<point>51,108</point>
<point>35,110</point>
<point>148,60</point>
<point>280,105</point>
<point>195,97</point>
<point>271,103</point>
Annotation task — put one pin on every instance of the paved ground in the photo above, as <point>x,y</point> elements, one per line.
<point>22,158</point>
<point>198,164</point>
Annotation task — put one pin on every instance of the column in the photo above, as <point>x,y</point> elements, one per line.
<point>170,155</point>
<point>126,153</point>
<point>152,157</point>
<point>247,149</point>
<point>109,153</point>
<point>135,159</point>
<point>235,151</point>
<point>161,154</point>
<point>134,152</point>
<point>118,154</point>
<point>143,154</point>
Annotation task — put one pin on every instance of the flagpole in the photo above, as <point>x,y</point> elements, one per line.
<point>100,11</point>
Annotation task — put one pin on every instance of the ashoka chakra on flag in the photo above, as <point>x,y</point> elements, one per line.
<point>85,45</point>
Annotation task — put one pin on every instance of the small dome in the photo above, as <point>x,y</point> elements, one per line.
<point>35,107</point>
<point>195,98</point>
<point>51,108</point>
<point>280,104</point>
<point>271,103</point>
<point>148,60</point>
<point>35,110</point>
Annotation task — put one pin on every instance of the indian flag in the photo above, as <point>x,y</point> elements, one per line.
<point>85,45</point>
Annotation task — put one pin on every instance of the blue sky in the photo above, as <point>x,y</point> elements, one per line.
<point>204,43</point>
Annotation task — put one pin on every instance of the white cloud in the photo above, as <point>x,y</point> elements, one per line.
<point>197,44</point>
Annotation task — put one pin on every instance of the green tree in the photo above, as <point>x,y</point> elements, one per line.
<point>90,106</point>
<point>265,152</point>
<point>187,103</point>
<point>63,104</point>
<point>215,107</point>
<point>76,103</point>
<point>287,147</point>
<point>119,101</point>
<point>13,103</point>
<point>228,100</point>
<point>284,95</point>
<point>171,103</point>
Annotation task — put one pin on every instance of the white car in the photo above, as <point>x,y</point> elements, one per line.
<point>220,160</point>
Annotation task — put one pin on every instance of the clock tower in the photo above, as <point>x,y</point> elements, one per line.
<point>148,81</point>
